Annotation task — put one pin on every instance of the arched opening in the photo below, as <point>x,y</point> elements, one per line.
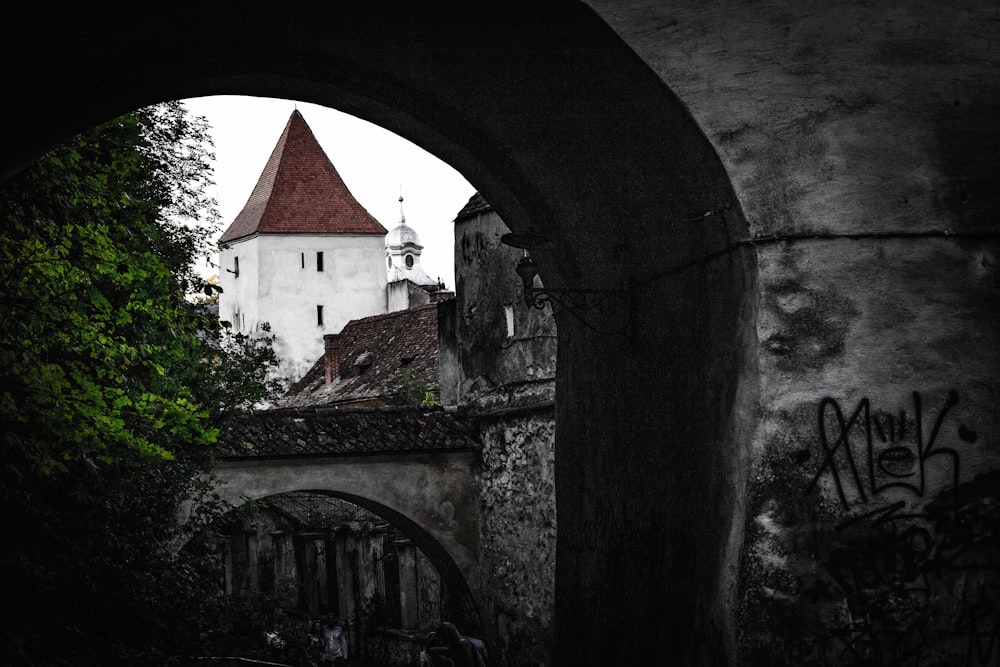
<point>294,557</point>
<point>566,133</point>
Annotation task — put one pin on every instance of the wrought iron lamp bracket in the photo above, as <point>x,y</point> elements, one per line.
<point>572,300</point>
<point>577,302</point>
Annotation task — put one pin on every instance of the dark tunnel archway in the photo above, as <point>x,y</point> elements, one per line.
<point>566,132</point>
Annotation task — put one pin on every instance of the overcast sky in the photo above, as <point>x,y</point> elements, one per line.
<point>376,165</point>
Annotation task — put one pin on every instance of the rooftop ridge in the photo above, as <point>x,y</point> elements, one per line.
<point>405,312</point>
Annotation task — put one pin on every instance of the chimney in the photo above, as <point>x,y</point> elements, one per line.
<point>331,356</point>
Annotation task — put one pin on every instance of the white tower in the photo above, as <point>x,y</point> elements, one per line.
<point>402,251</point>
<point>302,256</point>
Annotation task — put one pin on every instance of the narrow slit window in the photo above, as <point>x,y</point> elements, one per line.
<point>236,267</point>
<point>319,261</point>
<point>303,257</point>
<point>319,316</point>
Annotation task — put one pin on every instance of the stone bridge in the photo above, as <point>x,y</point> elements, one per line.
<point>417,468</point>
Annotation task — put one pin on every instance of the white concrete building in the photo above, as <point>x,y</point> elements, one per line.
<point>303,256</point>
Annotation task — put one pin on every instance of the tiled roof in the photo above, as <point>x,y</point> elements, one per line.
<point>325,431</point>
<point>474,206</point>
<point>377,355</point>
<point>300,192</point>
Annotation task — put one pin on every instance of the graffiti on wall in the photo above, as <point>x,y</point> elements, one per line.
<point>907,572</point>
<point>867,454</point>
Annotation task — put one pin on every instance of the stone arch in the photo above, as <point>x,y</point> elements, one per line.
<point>463,608</point>
<point>564,129</point>
<point>432,493</point>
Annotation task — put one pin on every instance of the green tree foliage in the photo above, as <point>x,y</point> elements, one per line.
<point>113,380</point>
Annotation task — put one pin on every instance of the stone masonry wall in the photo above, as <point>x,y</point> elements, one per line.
<point>518,519</point>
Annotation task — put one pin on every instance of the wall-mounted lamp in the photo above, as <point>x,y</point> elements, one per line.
<point>578,302</point>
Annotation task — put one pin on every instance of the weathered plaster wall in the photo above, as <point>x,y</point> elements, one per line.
<point>836,116</point>
<point>873,530</point>
<point>502,363</point>
<point>238,301</point>
<point>847,129</point>
<point>279,284</point>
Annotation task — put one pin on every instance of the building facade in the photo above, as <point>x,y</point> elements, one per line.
<point>303,257</point>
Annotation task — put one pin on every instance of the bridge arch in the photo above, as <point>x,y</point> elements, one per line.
<point>431,496</point>
<point>566,132</point>
<point>462,606</point>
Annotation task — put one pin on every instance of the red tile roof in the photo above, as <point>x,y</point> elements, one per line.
<point>377,356</point>
<point>300,192</point>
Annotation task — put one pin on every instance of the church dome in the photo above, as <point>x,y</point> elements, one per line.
<point>402,250</point>
<point>402,235</point>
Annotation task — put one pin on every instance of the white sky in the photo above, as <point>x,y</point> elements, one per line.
<point>376,165</point>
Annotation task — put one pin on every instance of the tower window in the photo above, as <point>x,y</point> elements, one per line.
<point>409,261</point>
<point>303,257</point>
<point>236,267</point>
<point>319,316</point>
<point>319,261</point>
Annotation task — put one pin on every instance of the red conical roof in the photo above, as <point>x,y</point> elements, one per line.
<point>300,192</point>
